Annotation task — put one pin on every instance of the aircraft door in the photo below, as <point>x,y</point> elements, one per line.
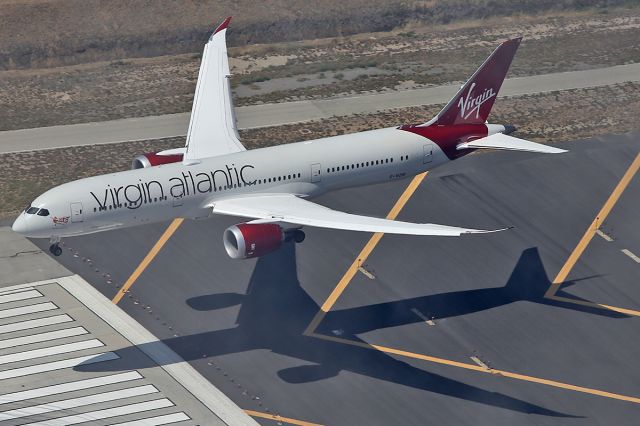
<point>76,212</point>
<point>315,172</point>
<point>427,155</point>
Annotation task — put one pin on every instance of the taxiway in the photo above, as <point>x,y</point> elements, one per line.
<point>347,328</point>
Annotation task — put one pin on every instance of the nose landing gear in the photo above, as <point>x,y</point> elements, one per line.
<point>55,248</point>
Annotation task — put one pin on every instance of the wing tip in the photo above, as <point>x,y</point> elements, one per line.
<point>223,25</point>
<point>487,231</point>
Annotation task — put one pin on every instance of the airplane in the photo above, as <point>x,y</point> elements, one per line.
<point>213,174</point>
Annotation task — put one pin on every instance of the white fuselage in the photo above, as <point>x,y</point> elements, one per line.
<point>165,192</point>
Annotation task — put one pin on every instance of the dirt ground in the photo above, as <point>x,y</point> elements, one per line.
<point>548,118</point>
<point>414,56</point>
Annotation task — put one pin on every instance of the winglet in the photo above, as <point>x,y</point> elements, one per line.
<point>223,26</point>
<point>485,231</point>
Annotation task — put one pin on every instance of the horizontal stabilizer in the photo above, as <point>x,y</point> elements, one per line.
<point>502,141</point>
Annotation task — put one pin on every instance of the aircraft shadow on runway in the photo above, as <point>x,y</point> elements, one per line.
<point>274,314</point>
<point>528,283</point>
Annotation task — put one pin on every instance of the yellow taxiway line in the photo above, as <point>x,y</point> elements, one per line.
<point>148,258</point>
<point>591,231</point>
<point>562,275</point>
<point>278,418</point>
<point>364,254</point>
<point>477,368</point>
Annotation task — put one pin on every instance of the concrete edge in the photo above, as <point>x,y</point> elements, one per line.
<point>160,353</point>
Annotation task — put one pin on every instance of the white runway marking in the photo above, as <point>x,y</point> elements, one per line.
<point>53,350</point>
<point>77,402</point>
<point>57,365</point>
<point>42,337</point>
<point>69,387</point>
<point>604,236</point>
<point>40,307</point>
<point>105,414</point>
<point>40,322</point>
<point>23,295</point>
<point>15,290</point>
<point>631,255</point>
<point>157,421</point>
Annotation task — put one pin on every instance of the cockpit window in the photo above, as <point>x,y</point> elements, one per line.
<point>43,212</point>
<point>32,210</point>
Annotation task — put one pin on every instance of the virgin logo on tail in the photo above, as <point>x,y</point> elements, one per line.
<point>470,104</point>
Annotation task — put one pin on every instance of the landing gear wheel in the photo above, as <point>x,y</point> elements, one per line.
<point>298,236</point>
<point>55,249</point>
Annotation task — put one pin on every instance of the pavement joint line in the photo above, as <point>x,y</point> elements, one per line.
<point>364,254</point>
<point>371,244</point>
<point>603,235</point>
<point>166,235</point>
<point>591,231</point>
<point>279,418</point>
<point>631,255</point>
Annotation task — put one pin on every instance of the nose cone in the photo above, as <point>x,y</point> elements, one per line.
<point>19,225</point>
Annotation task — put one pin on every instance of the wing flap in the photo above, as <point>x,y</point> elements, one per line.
<point>502,141</point>
<point>292,209</point>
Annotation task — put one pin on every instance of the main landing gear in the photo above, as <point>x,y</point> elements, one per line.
<point>55,248</point>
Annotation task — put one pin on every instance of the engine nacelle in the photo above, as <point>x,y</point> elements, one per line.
<point>151,159</point>
<point>247,240</point>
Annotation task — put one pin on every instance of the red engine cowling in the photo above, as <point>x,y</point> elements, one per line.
<point>151,159</point>
<point>246,240</point>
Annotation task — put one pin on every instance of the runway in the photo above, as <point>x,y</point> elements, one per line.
<point>456,331</point>
<point>156,127</point>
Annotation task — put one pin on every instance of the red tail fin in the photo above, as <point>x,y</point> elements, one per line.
<point>472,104</point>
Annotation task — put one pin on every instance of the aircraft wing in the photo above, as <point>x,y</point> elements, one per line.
<point>289,208</point>
<point>212,127</point>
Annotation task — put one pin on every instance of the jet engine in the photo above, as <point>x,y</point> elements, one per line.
<point>247,240</point>
<point>151,159</point>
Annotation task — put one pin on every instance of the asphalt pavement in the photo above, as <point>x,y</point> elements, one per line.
<point>431,330</point>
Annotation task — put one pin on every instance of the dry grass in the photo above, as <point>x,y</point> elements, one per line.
<point>410,58</point>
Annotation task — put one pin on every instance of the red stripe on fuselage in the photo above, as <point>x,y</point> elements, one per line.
<point>448,137</point>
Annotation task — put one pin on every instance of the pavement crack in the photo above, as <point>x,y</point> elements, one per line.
<point>21,253</point>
